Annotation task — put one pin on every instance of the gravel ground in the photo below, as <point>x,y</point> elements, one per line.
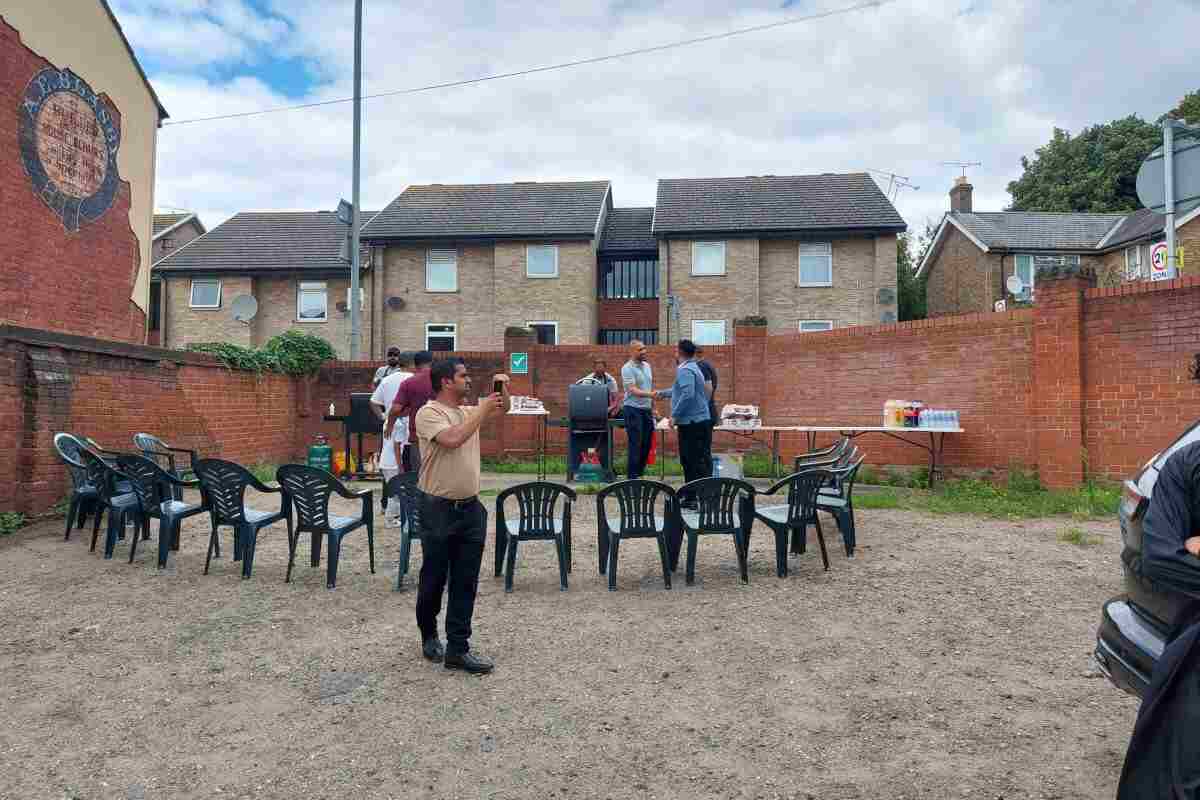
<point>949,658</point>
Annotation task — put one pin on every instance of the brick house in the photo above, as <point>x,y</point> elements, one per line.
<point>171,231</point>
<point>973,254</point>
<point>808,252</point>
<point>287,261</point>
<point>78,136</point>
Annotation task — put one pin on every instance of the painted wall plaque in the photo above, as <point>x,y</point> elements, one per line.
<point>69,142</point>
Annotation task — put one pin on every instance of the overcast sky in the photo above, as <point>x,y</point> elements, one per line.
<point>899,88</point>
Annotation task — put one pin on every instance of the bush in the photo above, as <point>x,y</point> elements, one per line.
<point>752,321</point>
<point>11,522</point>
<point>291,352</point>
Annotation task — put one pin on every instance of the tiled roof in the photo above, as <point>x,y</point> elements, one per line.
<point>1136,225</point>
<point>441,211</point>
<point>629,229</point>
<point>164,222</point>
<point>1013,230</point>
<point>773,203</point>
<point>262,241</point>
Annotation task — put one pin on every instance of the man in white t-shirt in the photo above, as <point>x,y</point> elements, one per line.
<point>391,454</point>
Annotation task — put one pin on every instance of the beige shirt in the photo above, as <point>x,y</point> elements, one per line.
<point>452,473</point>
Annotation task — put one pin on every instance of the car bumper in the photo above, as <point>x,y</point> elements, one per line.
<point>1127,646</point>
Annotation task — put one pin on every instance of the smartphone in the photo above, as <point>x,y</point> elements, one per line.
<point>498,387</point>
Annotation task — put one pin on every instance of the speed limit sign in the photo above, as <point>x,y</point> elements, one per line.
<point>1160,270</point>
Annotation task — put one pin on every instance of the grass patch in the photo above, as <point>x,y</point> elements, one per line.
<point>887,498</point>
<point>1021,498</point>
<point>11,522</point>
<point>1076,536</point>
<point>264,472</point>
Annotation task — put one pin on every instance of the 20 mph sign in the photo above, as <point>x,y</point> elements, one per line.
<point>1159,269</point>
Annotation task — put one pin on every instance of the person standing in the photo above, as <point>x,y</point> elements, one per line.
<point>599,374</point>
<point>394,364</point>
<point>689,415</point>
<point>638,409</point>
<point>413,393</point>
<point>390,455</point>
<point>710,386</point>
<point>453,521</point>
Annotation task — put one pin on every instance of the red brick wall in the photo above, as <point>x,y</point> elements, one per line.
<point>628,314</point>
<point>1139,339</point>
<point>75,282</point>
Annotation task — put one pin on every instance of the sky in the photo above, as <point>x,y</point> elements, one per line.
<point>900,88</point>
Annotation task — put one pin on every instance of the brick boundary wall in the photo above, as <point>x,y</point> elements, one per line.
<point>1088,382</point>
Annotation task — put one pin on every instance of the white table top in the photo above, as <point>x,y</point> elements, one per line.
<point>542,413</point>
<point>836,429</point>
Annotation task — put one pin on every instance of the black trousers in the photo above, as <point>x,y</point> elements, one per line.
<point>695,439</point>
<point>412,456</point>
<point>639,428</point>
<point>708,456</point>
<point>452,538</point>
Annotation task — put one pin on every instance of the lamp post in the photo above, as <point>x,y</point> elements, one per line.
<point>356,222</point>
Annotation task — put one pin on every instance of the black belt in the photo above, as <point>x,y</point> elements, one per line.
<point>456,505</point>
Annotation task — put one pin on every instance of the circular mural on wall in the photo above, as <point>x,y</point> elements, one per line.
<point>69,142</point>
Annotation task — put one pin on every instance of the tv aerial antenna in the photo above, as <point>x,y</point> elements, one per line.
<point>895,183</point>
<point>962,165</point>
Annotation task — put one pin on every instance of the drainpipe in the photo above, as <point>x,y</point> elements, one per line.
<point>668,292</point>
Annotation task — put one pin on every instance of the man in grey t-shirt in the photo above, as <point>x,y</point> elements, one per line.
<point>638,381</point>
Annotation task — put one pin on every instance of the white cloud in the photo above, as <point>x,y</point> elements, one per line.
<point>902,88</point>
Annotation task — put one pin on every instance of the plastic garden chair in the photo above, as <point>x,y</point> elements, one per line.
<point>225,484</point>
<point>153,487</point>
<point>828,457</point>
<point>794,516</point>
<point>306,492</point>
<point>402,489</point>
<point>84,496</point>
<point>119,505</point>
<point>725,507</point>
<point>838,499</point>
<point>163,455</point>
<point>637,518</point>
<point>536,521</point>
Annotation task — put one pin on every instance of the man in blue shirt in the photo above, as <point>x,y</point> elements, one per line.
<point>689,414</point>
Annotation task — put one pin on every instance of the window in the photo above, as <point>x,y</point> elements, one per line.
<point>441,271</point>
<point>541,261</point>
<point>708,258</point>
<point>629,279</point>
<point>206,294</point>
<point>547,332</point>
<point>646,336</point>
<point>1133,263</point>
<point>811,325</point>
<point>312,302</point>
<point>1026,267</point>
<point>441,338</point>
<point>708,331</point>
<point>816,264</point>
<point>155,305</point>
<point>1024,270</point>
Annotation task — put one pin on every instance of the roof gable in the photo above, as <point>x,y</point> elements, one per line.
<point>162,112</point>
<point>444,211</point>
<point>772,203</point>
<point>1035,230</point>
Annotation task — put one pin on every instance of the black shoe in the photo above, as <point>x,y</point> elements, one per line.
<point>469,662</point>
<point>432,649</point>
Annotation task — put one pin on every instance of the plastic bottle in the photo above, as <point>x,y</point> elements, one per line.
<point>332,410</point>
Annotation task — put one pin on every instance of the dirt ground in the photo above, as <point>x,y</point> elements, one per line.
<point>949,658</point>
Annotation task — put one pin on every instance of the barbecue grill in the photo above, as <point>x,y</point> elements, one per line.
<point>587,420</point>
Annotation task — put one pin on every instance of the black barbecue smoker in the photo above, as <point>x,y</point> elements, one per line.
<point>588,426</point>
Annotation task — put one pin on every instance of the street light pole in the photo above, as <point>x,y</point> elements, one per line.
<point>1169,191</point>
<point>356,223</point>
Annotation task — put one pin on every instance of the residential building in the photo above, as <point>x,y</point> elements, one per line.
<point>973,254</point>
<point>171,231</point>
<point>287,261</point>
<point>808,252</point>
<point>78,132</point>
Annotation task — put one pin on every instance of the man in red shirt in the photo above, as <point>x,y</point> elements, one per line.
<point>413,393</point>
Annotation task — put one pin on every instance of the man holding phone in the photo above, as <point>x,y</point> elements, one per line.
<point>453,521</point>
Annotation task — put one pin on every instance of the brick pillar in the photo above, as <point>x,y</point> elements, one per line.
<point>517,433</point>
<point>1058,378</point>
<point>749,366</point>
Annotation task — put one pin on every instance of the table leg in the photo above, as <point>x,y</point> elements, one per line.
<point>662,455</point>
<point>346,463</point>
<point>936,442</point>
<point>774,455</point>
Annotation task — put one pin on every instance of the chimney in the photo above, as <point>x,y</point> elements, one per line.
<point>960,195</point>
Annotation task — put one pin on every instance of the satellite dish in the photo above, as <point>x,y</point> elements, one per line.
<point>1015,285</point>
<point>244,308</point>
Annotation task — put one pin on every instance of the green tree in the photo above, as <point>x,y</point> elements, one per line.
<point>1094,171</point>
<point>1188,109</point>
<point>910,290</point>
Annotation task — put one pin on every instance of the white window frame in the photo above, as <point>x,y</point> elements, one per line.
<point>552,248</point>
<point>1137,252</point>
<point>721,322</point>
<point>1027,294</point>
<point>816,249</point>
<point>828,323</point>
<point>192,294</point>
<point>698,245</point>
<point>312,287</point>
<point>442,334</point>
<point>552,323</point>
<point>429,264</point>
